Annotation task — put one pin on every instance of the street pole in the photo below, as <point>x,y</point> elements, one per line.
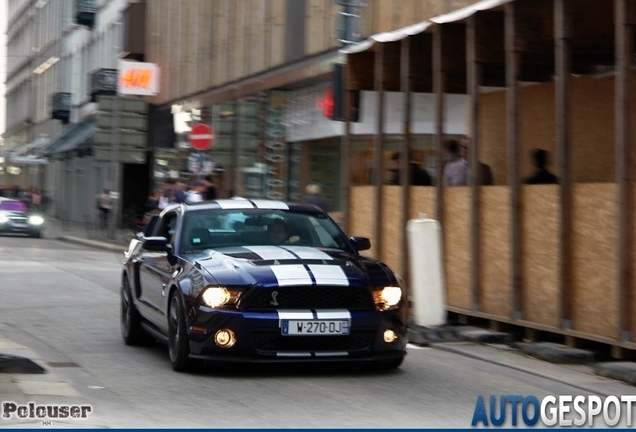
<point>116,174</point>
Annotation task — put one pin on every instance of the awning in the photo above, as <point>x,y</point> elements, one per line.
<point>459,15</point>
<point>71,138</point>
<point>26,160</point>
<point>32,146</point>
<point>23,155</point>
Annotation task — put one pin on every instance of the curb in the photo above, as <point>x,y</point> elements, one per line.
<point>552,353</point>
<point>621,371</point>
<point>93,243</point>
<point>555,353</point>
<point>425,336</point>
<point>450,349</point>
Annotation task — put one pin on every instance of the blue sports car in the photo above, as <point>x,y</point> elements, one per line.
<point>259,281</point>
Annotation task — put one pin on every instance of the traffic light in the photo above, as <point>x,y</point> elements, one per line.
<point>338,102</point>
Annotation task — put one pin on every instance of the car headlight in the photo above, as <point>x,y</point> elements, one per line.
<point>3,219</point>
<point>387,298</point>
<point>216,297</point>
<point>36,220</point>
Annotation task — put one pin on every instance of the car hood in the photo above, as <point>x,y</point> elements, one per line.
<point>13,213</point>
<point>271,266</point>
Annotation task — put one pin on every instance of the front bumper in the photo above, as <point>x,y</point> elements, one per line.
<point>18,228</point>
<point>259,338</point>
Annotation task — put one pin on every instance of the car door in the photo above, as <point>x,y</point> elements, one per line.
<point>155,272</point>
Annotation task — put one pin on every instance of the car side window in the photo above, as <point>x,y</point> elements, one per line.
<point>150,226</point>
<point>168,226</point>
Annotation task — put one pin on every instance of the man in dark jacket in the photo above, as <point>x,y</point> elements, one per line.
<point>542,175</point>
<point>418,175</point>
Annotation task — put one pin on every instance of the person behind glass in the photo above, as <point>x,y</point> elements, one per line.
<point>485,173</point>
<point>277,233</point>
<point>418,175</point>
<point>314,197</point>
<point>541,175</point>
<point>456,168</point>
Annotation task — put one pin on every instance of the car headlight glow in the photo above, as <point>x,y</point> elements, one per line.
<point>387,298</point>
<point>216,297</point>
<point>36,220</point>
<point>3,219</point>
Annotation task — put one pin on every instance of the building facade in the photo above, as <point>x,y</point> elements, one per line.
<point>63,57</point>
<point>261,72</point>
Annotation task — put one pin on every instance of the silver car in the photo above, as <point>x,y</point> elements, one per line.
<point>16,218</point>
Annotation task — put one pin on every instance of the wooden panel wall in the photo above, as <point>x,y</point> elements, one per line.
<point>594,262</point>
<point>456,246</point>
<point>495,250</point>
<point>204,44</point>
<point>540,253</point>
<point>393,233</point>
<point>362,218</point>
<point>277,43</point>
<point>256,55</point>
<point>423,200</point>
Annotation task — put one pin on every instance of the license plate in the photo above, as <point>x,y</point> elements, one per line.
<point>314,327</point>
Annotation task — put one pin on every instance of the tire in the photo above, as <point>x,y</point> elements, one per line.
<point>36,234</point>
<point>130,320</point>
<point>178,346</point>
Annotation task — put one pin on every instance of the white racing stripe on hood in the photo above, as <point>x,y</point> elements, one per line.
<point>329,275</point>
<point>305,252</point>
<point>271,252</point>
<point>295,274</point>
<point>332,314</point>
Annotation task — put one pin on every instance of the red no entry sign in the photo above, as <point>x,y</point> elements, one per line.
<point>201,137</point>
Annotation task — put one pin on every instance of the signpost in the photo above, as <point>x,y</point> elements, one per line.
<point>201,137</point>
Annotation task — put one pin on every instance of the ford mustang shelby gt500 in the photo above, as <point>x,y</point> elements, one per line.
<point>259,281</point>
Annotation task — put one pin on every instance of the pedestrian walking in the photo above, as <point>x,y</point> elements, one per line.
<point>104,205</point>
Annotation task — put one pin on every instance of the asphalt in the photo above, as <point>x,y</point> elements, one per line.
<point>16,359</point>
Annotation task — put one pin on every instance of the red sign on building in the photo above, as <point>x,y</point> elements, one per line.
<point>201,137</point>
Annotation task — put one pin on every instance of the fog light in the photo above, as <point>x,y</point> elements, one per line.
<point>225,338</point>
<point>389,336</point>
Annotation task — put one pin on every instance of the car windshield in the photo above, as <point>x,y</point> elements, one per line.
<point>13,206</point>
<point>213,229</point>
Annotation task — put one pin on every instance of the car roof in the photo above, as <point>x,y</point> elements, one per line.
<point>245,204</point>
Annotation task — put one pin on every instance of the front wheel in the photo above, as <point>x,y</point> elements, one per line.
<point>178,346</point>
<point>131,330</point>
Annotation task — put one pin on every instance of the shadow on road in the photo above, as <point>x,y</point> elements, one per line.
<point>249,370</point>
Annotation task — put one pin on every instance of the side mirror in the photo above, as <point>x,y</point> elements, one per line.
<point>156,244</point>
<point>361,243</point>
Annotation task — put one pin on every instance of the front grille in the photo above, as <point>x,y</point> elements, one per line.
<point>18,219</point>
<point>310,297</point>
<point>275,342</point>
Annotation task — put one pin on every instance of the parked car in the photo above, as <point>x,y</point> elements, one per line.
<point>17,218</point>
<point>259,281</point>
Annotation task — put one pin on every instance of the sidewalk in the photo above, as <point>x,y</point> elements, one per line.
<point>87,235</point>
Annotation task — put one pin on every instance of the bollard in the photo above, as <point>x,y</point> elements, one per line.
<point>426,263</point>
